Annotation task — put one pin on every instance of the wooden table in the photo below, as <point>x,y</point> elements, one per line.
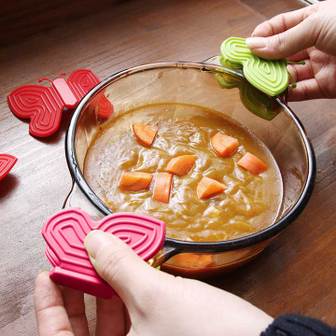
<point>295,274</point>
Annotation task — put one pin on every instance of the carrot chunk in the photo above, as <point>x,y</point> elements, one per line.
<point>181,165</point>
<point>162,187</point>
<point>209,187</point>
<point>144,134</point>
<point>252,164</point>
<point>224,145</point>
<point>135,181</point>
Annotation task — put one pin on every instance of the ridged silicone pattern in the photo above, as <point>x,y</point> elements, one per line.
<point>235,50</point>
<point>7,162</point>
<point>44,105</point>
<point>65,232</point>
<point>269,76</point>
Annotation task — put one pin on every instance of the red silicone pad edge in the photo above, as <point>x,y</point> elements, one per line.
<point>7,162</point>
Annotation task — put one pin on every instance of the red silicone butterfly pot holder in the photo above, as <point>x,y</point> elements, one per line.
<point>7,162</point>
<point>44,105</point>
<point>65,232</point>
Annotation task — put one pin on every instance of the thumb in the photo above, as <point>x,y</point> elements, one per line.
<point>119,266</point>
<point>287,43</point>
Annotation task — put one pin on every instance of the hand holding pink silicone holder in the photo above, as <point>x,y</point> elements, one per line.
<point>65,232</point>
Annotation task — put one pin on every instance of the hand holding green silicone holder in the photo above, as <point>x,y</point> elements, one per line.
<point>269,76</point>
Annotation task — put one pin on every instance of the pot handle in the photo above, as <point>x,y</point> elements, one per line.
<point>76,199</point>
<point>212,60</point>
<point>165,254</point>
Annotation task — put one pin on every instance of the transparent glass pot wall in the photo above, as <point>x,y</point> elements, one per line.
<point>219,89</point>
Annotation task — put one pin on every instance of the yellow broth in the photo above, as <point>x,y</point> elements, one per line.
<point>248,204</point>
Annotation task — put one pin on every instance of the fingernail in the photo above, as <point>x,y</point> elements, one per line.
<point>93,241</point>
<point>256,42</point>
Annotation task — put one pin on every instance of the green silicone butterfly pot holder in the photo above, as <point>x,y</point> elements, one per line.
<point>253,99</point>
<point>269,76</point>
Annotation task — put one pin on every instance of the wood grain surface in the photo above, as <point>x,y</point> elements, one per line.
<point>295,274</point>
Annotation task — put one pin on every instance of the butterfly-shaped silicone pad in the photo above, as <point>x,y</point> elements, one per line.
<point>253,99</point>
<point>65,232</point>
<point>269,76</point>
<point>44,105</point>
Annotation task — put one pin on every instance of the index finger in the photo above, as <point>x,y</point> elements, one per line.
<point>51,316</point>
<point>74,304</point>
<point>282,22</point>
<point>111,319</point>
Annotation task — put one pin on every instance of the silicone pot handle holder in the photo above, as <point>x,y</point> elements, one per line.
<point>44,105</point>
<point>64,234</point>
<point>269,76</point>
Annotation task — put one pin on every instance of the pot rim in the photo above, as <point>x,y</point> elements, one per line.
<point>189,246</point>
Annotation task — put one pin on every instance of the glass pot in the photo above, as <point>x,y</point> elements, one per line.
<point>226,91</point>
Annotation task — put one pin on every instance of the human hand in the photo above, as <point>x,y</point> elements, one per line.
<point>151,302</point>
<point>309,35</point>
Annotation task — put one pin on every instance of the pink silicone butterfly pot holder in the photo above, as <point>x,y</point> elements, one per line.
<point>65,232</point>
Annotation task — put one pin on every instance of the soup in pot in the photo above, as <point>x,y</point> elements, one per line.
<point>207,177</point>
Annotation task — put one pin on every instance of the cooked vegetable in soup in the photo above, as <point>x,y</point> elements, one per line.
<point>205,176</point>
